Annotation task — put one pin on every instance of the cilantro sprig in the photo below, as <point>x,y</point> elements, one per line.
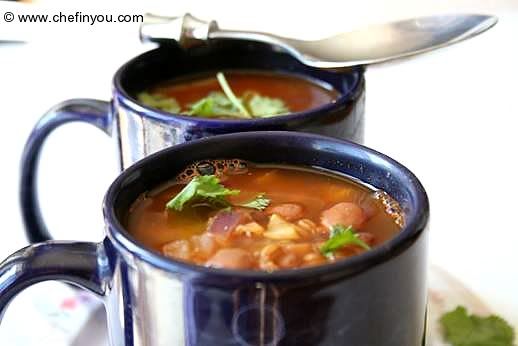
<point>461,329</point>
<point>202,189</point>
<point>208,190</point>
<point>214,105</point>
<point>339,237</point>
<point>220,103</point>
<point>230,94</point>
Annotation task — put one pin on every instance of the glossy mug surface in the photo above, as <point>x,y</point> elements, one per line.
<point>139,130</point>
<point>376,298</point>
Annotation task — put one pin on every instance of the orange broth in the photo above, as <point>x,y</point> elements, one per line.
<point>297,93</point>
<point>304,198</point>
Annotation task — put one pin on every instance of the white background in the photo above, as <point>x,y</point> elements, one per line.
<point>449,116</point>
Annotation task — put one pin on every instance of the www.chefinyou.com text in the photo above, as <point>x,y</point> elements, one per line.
<point>76,17</point>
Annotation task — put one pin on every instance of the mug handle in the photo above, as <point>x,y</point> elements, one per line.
<point>94,112</point>
<point>79,263</point>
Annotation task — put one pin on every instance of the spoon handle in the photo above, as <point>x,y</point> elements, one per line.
<point>190,31</point>
<point>187,30</point>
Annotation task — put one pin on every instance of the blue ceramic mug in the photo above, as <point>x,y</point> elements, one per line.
<point>139,130</point>
<point>376,298</point>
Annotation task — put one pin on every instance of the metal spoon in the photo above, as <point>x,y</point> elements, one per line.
<point>371,45</point>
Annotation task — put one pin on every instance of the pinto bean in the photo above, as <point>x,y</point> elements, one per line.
<point>289,260</point>
<point>344,213</point>
<point>307,224</point>
<point>313,259</point>
<point>232,258</point>
<point>179,249</point>
<point>369,207</point>
<point>288,211</point>
<point>207,245</point>
<point>260,217</point>
<point>367,238</point>
<point>299,249</point>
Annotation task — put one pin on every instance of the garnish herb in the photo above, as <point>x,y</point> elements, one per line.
<point>165,103</point>
<point>202,189</point>
<point>339,237</point>
<point>208,191</point>
<point>260,202</point>
<point>265,107</point>
<point>204,107</point>
<point>461,329</point>
<point>230,94</point>
<point>217,103</point>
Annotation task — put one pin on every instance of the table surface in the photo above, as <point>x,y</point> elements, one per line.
<point>450,116</point>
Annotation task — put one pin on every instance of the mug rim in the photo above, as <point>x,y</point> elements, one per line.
<point>129,101</point>
<point>415,222</point>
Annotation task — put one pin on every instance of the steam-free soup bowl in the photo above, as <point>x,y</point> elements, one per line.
<point>376,298</point>
<point>138,130</point>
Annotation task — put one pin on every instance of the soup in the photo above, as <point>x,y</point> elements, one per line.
<point>255,217</point>
<point>238,95</point>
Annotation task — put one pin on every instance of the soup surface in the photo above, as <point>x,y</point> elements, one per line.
<point>262,217</point>
<point>238,95</point>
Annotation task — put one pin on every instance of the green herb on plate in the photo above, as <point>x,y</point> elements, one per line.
<point>461,329</point>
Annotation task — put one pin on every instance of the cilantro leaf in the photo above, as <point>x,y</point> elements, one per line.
<point>162,102</point>
<point>260,202</point>
<point>230,94</point>
<point>203,107</point>
<point>205,189</point>
<point>461,329</point>
<point>264,106</point>
<point>339,237</point>
<point>217,103</point>
<point>213,105</point>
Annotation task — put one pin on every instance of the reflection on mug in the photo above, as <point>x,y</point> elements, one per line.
<point>243,316</point>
